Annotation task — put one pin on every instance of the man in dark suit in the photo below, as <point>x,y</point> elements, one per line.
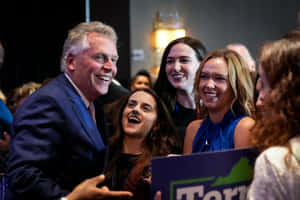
<point>59,134</point>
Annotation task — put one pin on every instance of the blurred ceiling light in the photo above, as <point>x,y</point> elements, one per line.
<point>167,26</point>
<point>162,37</point>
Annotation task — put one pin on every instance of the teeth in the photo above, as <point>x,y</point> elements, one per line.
<point>133,119</point>
<point>104,78</point>
<point>177,75</point>
<point>211,95</point>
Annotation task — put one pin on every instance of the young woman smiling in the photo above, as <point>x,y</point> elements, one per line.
<point>224,97</point>
<point>143,129</point>
<point>174,84</point>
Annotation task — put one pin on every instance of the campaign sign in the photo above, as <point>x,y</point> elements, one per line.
<point>223,175</point>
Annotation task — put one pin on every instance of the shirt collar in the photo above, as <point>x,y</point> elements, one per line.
<point>85,100</point>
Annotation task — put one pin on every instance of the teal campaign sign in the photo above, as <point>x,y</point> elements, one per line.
<point>223,175</point>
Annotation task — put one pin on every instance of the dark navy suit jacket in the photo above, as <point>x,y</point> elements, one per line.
<point>55,143</point>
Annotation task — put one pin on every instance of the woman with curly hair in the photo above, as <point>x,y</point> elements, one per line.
<point>224,97</point>
<point>143,129</point>
<point>18,95</point>
<point>277,130</point>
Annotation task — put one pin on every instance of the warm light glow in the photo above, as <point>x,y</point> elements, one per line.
<point>162,37</point>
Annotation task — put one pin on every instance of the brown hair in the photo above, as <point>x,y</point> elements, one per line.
<point>159,142</point>
<point>280,61</point>
<point>162,86</point>
<point>292,35</point>
<point>16,97</point>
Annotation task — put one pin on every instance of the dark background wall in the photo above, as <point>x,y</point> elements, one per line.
<point>215,22</point>
<point>116,13</point>
<point>33,33</point>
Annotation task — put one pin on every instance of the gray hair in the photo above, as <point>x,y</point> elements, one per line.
<point>243,51</point>
<point>77,41</point>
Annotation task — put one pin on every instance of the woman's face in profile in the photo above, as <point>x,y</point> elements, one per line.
<point>181,67</point>
<point>139,115</point>
<point>214,86</point>
<point>262,87</point>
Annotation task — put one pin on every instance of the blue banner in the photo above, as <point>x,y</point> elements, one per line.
<point>210,175</point>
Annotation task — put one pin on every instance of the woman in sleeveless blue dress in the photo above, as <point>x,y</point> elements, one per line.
<point>224,98</point>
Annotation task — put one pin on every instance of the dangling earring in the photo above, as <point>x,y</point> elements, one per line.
<point>151,134</point>
<point>199,109</point>
<point>201,102</point>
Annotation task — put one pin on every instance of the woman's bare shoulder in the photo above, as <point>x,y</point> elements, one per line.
<point>190,133</point>
<point>245,123</point>
<point>242,133</point>
<point>194,124</point>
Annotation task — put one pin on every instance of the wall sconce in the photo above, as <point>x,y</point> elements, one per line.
<point>162,37</point>
<point>166,27</point>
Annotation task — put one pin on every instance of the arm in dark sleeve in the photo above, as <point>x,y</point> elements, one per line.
<point>35,151</point>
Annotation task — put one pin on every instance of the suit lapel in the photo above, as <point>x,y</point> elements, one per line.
<point>83,115</point>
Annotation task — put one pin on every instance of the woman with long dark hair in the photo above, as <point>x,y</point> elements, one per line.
<point>174,84</point>
<point>143,128</point>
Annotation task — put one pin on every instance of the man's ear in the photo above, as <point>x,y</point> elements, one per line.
<point>70,62</point>
<point>156,127</point>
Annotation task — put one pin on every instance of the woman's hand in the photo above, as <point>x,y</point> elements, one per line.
<point>157,195</point>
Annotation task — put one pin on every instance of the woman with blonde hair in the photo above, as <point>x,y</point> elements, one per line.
<point>224,97</point>
<point>18,95</point>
